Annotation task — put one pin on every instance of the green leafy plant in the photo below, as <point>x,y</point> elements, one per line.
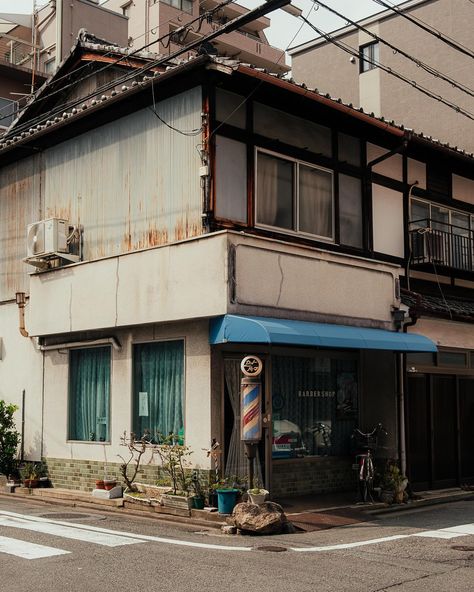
<point>9,438</point>
<point>174,461</point>
<point>29,470</point>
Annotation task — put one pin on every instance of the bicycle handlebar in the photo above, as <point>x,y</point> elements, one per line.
<point>378,428</point>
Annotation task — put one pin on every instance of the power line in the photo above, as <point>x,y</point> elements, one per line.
<point>350,50</point>
<point>233,24</point>
<point>429,29</point>
<point>254,90</point>
<point>124,58</point>
<point>430,69</point>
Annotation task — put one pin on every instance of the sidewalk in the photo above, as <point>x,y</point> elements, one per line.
<point>306,512</point>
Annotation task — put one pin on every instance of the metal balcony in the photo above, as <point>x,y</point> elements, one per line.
<point>436,244</point>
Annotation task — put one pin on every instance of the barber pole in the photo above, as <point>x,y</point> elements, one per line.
<point>251,429</point>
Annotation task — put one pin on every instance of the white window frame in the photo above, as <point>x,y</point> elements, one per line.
<point>296,213</point>
<point>450,211</point>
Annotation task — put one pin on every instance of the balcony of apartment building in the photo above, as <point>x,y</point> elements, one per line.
<point>247,44</point>
<point>443,241</point>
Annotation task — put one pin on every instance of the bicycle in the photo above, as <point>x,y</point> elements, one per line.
<point>364,461</point>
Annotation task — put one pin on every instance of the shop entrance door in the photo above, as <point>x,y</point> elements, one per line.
<point>445,429</point>
<point>440,438</point>
<point>419,432</point>
<point>466,433</point>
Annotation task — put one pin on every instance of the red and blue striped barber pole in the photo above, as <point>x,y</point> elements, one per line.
<point>251,425</point>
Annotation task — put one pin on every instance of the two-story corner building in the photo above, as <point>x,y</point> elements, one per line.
<point>212,211</point>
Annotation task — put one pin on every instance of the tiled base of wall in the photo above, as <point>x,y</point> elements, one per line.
<point>82,474</point>
<point>313,475</point>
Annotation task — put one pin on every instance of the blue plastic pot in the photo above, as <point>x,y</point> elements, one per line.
<point>226,500</point>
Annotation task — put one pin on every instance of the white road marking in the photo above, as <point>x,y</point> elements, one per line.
<point>68,532</point>
<point>444,533</point>
<point>350,545</point>
<point>131,535</point>
<point>27,550</point>
<point>448,533</point>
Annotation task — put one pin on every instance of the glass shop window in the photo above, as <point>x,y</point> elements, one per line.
<point>314,406</point>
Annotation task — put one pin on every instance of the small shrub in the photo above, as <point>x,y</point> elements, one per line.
<point>9,438</point>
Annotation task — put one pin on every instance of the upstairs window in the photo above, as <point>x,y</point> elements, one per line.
<point>184,5</point>
<point>369,56</point>
<point>294,196</point>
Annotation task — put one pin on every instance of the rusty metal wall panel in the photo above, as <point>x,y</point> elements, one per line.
<point>20,204</point>
<point>133,183</point>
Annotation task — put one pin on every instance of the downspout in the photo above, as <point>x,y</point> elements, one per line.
<point>402,365</point>
<point>21,324</point>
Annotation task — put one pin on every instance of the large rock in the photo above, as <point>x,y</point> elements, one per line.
<point>266,518</point>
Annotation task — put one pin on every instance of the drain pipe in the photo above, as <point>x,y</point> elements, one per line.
<point>20,299</point>
<point>402,391</point>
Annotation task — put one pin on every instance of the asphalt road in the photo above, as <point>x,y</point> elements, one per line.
<point>81,550</point>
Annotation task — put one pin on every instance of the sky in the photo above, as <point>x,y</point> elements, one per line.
<point>284,27</point>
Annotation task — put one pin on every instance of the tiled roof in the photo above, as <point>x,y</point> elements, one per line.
<point>445,306</point>
<point>91,42</point>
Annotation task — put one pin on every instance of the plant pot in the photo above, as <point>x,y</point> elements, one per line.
<point>226,500</point>
<point>44,482</point>
<point>212,499</point>
<point>386,496</point>
<point>99,484</point>
<point>198,502</point>
<point>34,483</point>
<point>109,484</point>
<point>179,502</point>
<point>258,498</point>
<point>398,497</point>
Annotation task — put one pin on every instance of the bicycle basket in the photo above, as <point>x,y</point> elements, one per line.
<point>367,441</point>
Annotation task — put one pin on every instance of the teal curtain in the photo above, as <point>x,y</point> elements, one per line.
<point>159,388</point>
<point>89,394</point>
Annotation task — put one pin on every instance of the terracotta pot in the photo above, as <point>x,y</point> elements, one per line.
<point>109,484</point>
<point>99,484</point>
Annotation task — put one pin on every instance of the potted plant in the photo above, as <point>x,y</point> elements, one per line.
<point>175,464</point>
<point>29,475</point>
<point>257,494</point>
<point>198,498</point>
<point>393,484</point>
<point>227,491</point>
<point>42,472</point>
<point>109,483</point>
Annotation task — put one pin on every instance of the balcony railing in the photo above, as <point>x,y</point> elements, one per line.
<point>440,244</point>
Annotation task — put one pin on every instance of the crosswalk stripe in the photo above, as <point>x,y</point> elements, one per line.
<point>27,550</point>
<point>451,532</point>
<point>68,532</point>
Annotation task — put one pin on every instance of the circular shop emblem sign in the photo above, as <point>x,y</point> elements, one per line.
<point>251,366</point>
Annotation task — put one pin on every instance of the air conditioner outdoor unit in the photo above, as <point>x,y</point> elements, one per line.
<point>47,237</point>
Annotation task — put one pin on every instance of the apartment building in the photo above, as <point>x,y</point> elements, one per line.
<point>360,82</point>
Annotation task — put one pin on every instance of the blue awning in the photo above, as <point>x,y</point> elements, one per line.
<point>243,329</point>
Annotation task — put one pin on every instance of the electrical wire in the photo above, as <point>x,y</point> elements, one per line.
<point>112,84</point>
<point>428,29</point>
<point>253,91</point>
<point>354,52</point>
<point>430,69</point>
<point>194,132</point>
<point>124,58</point>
